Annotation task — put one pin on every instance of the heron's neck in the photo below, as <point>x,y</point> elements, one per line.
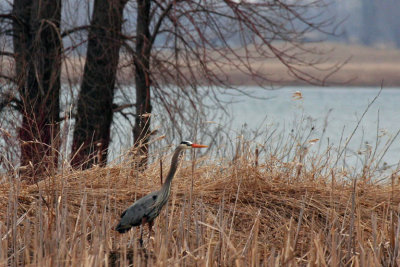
<point>176,158</point>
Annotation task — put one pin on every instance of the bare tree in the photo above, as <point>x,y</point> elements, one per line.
<point>37,54</point>
<point>141,130</point>
<point>183,51</point>
<point>95,103</point>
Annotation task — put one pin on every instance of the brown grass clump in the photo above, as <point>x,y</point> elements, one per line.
<point>220,214</point>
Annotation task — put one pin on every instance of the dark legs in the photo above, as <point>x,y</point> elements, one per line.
<point>151,223</point>
<point>150,228</point>
<point>141,232</point>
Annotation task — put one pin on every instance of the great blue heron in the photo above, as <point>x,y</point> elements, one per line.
<point>147,208</point>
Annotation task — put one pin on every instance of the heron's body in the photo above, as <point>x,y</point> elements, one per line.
<point>147,208</point>
<point>133,216</point>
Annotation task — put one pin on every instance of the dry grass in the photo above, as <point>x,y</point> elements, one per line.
<point>221,213</point>
<point>365,66</point>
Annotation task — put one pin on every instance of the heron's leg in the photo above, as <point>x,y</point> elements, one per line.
<point>141,234</point>
<point>141,231</point>
<point>150,227</point>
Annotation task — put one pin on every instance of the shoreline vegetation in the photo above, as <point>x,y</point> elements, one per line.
<point>253,210</point>
<point>365,66</point>
<point>362,67</point>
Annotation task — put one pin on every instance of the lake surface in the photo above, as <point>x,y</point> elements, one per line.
<point>337,110</point>
<point>333,113</point>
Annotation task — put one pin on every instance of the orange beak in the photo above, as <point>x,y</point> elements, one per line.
<point>198,146</point>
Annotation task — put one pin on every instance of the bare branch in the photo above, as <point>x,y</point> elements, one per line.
<point>74,30</point>
<point>164,14</point>
<point>7,16</point>
<point>7,54</point>
<point>118,108</point>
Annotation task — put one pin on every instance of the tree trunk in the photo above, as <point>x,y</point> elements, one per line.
<point>141,130</point>
<point>37,46</point>
<point>95,104</point>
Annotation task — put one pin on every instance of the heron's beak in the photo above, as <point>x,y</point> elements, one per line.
<point>198,146</point>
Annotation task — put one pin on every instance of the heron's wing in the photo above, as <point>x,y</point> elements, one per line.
<point>134,214</point>
<point>123,214</point>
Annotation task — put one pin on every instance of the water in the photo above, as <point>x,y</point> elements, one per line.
<point>332,113</point>
<point>337,110</point>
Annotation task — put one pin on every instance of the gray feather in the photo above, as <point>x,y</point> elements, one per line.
<point>133,215</point>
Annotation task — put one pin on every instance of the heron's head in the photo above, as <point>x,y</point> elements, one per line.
<point>189,145</point>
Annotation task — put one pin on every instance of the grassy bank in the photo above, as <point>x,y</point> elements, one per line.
<point>250,211</point>
<point>360,66</point>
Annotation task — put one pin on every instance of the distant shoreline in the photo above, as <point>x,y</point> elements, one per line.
<point>365,67</point>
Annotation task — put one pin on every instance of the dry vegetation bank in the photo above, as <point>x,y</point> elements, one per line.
<point>365,66</point>
<point>360,66</point>
<point>219,213</point>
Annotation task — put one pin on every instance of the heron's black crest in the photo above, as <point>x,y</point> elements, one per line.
<point>188,143</point>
